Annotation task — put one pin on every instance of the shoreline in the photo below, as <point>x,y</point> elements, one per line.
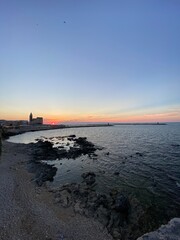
<point>19,186</point>
<point>29,212</point>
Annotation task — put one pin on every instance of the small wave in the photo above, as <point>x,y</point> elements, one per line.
<point>178,184</point>
<point>172,177</point>
<point>175,145</point>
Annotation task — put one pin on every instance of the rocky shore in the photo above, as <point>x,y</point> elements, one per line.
<point>119,214</point>
<point>111,211</point>
<point>170,231</point>
<point>29,212</point>
<point>35,210</point>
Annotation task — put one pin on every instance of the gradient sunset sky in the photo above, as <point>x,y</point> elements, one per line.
<point>90,60</point>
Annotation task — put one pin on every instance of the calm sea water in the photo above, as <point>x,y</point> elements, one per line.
<point>147,158</point>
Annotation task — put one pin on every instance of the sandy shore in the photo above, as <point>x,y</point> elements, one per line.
<point>29,212</point>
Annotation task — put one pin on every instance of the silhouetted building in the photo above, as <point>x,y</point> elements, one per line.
<point>34,121</point>
<point>11,123</point>
<point>30,117</point>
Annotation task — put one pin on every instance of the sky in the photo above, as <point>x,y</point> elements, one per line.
<point>90,61</point>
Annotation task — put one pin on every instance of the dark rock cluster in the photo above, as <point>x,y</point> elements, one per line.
<point>112,210</point>
<point>44,150</point>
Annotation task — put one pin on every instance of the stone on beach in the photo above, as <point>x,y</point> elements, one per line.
<point>170,231</point>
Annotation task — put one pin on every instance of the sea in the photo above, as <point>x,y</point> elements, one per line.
<point>142,161</point>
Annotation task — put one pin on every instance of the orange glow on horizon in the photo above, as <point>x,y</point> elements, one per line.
<point>170,115</point>
<point>123,119</point>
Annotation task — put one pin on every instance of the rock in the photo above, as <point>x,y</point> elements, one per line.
<point>116,234</point>
<point>44,150</point>
<point>57,199</point>
<point>116,220</point>
<point>72,136</point>
<point>102,200</point>
<point>77,208</point>
<point>74,152</point>
<point>65,198</point>
<point>62,153</point>
<point>89,178</point>
<point>110,210</point>
<point>44,172</point>
<point>121,203</point>
<point>85,146</point>
<point>170,231</point>
<point>113,193</point>
<point>103,215</point>
<point>116,173</point>
<point>87,174</point>
<point>61,147</point>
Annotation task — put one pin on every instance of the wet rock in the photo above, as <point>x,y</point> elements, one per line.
<point>62,153</point>
<point>110,210</point>
<point>44,150</point>
<point>87,174</point>
<point>72,136</point>
<point>89,178</point>
<point>74,153</point>
<point>121,203</point>
<point>85,146</point>
<point>44,173</point>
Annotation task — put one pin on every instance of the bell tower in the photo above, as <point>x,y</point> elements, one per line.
<point>30,117</point>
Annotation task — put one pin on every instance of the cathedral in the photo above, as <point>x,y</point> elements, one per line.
<point>34,121</point>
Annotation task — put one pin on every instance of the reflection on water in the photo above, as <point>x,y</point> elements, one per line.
<point>146,158</point>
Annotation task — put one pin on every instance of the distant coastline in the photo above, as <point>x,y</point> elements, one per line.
<point>155,123</point>
<point>11,131</point>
